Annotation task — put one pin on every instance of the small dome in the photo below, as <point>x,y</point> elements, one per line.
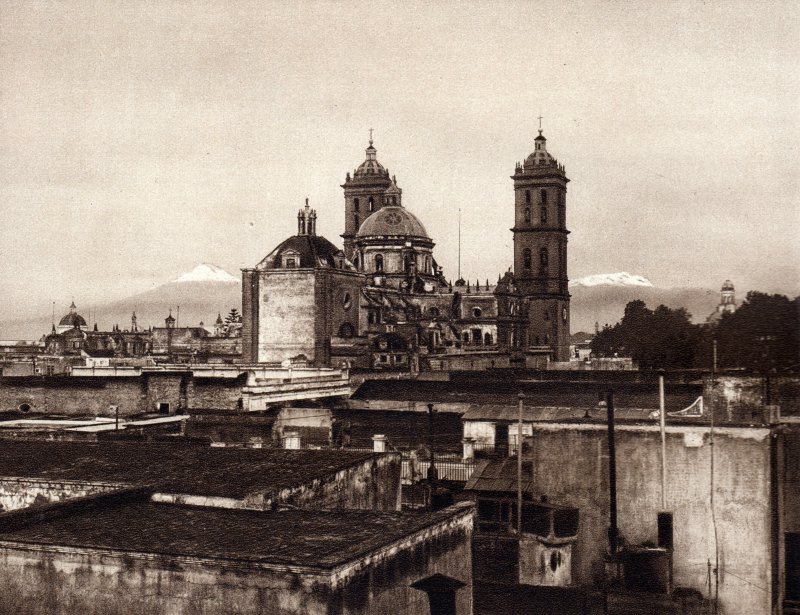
<point>73,319</point>
<point>728,285</point>
<point>371,167</point>
<point>392,220</point>
<point>540,156</point>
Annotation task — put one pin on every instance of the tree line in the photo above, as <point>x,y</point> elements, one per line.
<point>761,335</point>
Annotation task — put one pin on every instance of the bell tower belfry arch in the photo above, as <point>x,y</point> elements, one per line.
<point>540,249</point>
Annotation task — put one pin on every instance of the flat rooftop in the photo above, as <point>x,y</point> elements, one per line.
<point>403,429</point>
<point>322,539</point>
<point>174,467</point>
<point>537,393</point>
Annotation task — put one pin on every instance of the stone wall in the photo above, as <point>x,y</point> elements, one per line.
<point>73,395</point>
<point>571,467</point>
<point>88,395</point>
<point>215,393</point>
<point>286,315</point>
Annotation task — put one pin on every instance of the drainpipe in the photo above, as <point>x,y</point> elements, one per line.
<point>613,530</point>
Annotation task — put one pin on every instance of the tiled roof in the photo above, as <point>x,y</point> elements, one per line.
<point>174,468</point>
<point>321,539</point>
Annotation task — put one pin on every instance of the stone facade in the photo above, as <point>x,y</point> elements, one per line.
<point>389,279</point>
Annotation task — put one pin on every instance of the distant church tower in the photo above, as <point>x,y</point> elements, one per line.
<point>727,298</point>
<point>363,194</point>
<point>540,249</point>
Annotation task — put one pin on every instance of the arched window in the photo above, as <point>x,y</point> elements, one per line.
<point>371,204</point>
<point>427,264</point>
<point>527,214</point>
<point>487,339</point>
<point>357,219</point>
<point>379,262</point>
<point>433,311</point>
<point>543,257</point>
<point>466,337</point>
<point>355,204</point>
<point>544,196</point>
<point>528,197</point>
<point>409,263</point>
<point>526,258</point>
<point>543,214</point>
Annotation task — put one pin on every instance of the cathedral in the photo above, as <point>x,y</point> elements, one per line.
<point>383,301</point>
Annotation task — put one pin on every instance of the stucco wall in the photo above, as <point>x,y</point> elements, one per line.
<point>571,466</point>
<point>384,586</point>
<point>286,315</point>
<point>18,493</point>
<point>371,485</point>
<point>70,581</point>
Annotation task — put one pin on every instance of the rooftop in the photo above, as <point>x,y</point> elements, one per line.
<point>403,429</point>
<point>504,392</point>
<point>174,468</point>
<point>322,539</point>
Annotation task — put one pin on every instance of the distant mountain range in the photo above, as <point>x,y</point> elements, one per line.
<point>605,303</point>
<point>198,295</point>
<point>621,278</point>
<point>207,290</point>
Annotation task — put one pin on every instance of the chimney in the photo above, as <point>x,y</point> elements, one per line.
<point>379,443</point>
<point>291,440</point>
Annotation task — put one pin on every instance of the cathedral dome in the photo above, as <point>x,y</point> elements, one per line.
<point>392,220</point>
<point>305,251</point>
<point>73,319</point>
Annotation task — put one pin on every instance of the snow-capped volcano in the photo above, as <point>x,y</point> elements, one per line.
<point>206,273</point>
<point>621,278</point>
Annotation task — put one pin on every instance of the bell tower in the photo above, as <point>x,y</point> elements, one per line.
<point>363,195</point>
<point>540,249</point>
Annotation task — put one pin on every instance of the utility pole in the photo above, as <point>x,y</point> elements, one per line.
<point>519,465</point>
<point>613,531</point>
<point>663,429</point>
<point>433,475</point>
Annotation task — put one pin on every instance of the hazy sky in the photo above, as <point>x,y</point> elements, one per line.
<point>138,139</point>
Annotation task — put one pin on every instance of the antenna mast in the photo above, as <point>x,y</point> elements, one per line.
<point>459,243</point>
